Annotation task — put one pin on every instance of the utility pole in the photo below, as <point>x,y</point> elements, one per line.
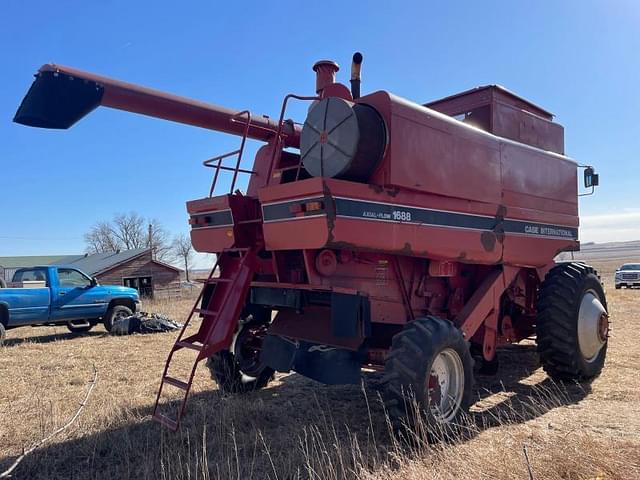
<point>151,239</point>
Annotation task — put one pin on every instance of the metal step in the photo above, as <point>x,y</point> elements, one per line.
<point>204,311</point>
<point>80,323</point>
<point>236,249</point>
<point>189,345</point>
<point>219,280</point>
<point>166,421</point>
<point>176,383</point>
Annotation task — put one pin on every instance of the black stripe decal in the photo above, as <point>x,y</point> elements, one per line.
<point>540,229</point>
<point>404,214</point>
<point>221,218</point>
<point>423,216</point>
<point>282,211</point>
<point>385,212</point>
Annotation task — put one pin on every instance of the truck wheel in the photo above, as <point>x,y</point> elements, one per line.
<point>116,313</point>
<point>429,369</point>
<point>3,334</point>
<point>239,370</point>
<point>618,287</point>
<point>572,323</point>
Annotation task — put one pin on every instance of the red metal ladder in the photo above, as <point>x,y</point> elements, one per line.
<point>220,318</point>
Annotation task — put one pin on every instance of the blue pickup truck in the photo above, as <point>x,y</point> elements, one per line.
<point>53,295</point>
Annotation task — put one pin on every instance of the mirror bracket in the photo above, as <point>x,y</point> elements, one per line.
<point>591,179</point>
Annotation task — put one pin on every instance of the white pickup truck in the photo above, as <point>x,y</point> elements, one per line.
<point>628,275</point>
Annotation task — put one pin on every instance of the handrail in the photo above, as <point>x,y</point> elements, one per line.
<point>276,145</point>
<point>210,162</point>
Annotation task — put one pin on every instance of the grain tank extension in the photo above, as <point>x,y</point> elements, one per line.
<point>380,233</point>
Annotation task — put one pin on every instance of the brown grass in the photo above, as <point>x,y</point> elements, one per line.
<point>297,428</point>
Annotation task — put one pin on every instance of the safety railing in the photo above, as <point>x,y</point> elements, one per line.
<point>245,116</point>
<point>216,162</point>
<point>281,122</point>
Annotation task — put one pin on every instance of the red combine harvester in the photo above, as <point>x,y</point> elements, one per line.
<point>381,233</point>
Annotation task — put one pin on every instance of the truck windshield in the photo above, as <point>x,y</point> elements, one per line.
<point>631,266</point>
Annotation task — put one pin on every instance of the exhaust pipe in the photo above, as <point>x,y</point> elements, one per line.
<point>356,64</point>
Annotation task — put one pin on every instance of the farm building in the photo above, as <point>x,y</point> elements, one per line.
<point>131,268</point>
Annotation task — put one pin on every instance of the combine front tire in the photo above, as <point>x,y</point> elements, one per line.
<point>428,374</point>
<point>572,323</point>
<point>3,334</point>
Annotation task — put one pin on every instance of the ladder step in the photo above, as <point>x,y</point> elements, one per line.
<point>189,345</point>
<point>176,383</point>
<point>166,421</point>
<point>219,280</point>
<point>284,169</point>
<point>204,311</point>
<point>236,249</point>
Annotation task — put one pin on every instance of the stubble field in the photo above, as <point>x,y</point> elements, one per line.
<point>522,425</point>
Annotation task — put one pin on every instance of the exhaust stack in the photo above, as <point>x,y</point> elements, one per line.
<point>356,64</point>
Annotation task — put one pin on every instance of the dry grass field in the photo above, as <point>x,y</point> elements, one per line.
<point>297,428</point>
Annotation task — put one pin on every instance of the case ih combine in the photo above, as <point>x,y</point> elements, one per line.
<point>381,233</point>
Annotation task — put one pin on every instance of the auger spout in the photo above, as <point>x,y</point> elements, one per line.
<point>60,96</point>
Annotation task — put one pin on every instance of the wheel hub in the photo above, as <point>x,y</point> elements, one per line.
<point>445,385</point>
<point>593,326</point>
<point>247,346</point>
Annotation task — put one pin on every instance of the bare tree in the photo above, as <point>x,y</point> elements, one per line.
<point>127,232</point>
<point>101,238</point>
<point>130,229</point>
<point>183,250</point>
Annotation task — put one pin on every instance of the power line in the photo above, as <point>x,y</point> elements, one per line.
<point>40,238</point>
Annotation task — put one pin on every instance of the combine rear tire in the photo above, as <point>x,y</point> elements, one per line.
<point>429,369</point>
<point>239,370</point>
<point>572,323</point>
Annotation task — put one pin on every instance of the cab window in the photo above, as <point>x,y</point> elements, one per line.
<point>72,278</point>
<point>31,275</point>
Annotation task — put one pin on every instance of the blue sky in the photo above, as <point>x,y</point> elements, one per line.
<point>578,59</point>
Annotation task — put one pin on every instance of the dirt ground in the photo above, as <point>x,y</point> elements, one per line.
<point>297,428</point>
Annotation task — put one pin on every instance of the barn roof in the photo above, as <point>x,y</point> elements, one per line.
<point>100,262</point>
<point>92,264</point>
<point>36,260</point>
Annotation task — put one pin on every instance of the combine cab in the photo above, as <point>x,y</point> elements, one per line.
<point>382,234</point>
